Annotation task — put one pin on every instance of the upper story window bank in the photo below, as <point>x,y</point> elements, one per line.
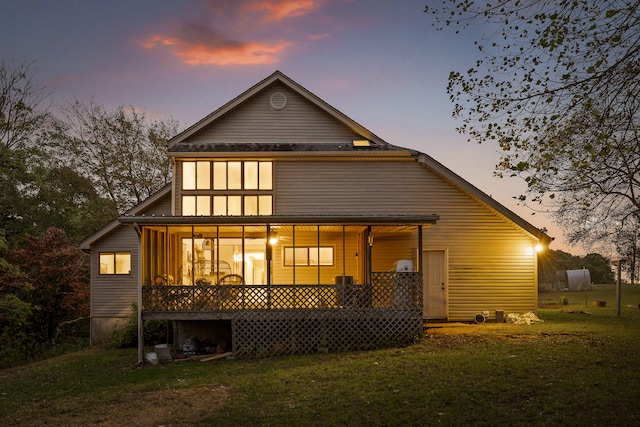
<point>221,188</point>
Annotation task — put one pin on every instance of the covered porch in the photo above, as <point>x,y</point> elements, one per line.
<point>363,275</point>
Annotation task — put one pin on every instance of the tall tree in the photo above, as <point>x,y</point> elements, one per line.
<point>121,151</point>
<point>22,104</point>
<point>557,86</point>
<point>628,247</point>
<point>23,116</point>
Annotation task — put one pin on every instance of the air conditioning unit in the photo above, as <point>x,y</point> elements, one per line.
<point>404,265</point>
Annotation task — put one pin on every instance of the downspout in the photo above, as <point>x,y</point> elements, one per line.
<point>140,323</point>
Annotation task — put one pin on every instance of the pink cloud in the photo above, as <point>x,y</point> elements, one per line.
<point>244,54</point>
<point>235,32</point>
<point>200,45</point>
<point>278,10</point>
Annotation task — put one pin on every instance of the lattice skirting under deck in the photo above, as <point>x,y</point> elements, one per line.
<point>263,333</point>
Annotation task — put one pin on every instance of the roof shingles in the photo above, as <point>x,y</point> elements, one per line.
<point>266,147</point>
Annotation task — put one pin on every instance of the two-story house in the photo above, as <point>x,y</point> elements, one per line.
<point>290,228</point>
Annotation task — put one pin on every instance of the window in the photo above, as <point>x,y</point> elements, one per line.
<point>236,175</point>
<point>322,255</point>
<point>196,175</point>
<point>230,187</point>
<point>241,205</point>
<point>115,262</point>
<point>219,175</point>
<point>196,205</point>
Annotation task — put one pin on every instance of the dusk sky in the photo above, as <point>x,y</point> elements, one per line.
<point>377,61</point>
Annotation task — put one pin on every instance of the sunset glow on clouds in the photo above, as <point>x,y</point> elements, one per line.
<point>201,46</point>
<point>207,42</point>
<point>278,10</point>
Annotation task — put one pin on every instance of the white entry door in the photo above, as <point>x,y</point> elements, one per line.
<point>434,284</point>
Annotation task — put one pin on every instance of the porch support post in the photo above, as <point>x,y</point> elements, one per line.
<point>140,322</point>
<point>269,272</point>
<point>419,255</point>
<point>344,252</point>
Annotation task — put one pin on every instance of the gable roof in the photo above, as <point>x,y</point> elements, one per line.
<point>138,209</point>
<point>483,197</point>
<point>277,77</point>
<point>377,145</point>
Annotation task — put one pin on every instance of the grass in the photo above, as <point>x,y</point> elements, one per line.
<point>578,367</point>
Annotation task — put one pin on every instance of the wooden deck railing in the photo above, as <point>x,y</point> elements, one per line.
<point>387,290</point>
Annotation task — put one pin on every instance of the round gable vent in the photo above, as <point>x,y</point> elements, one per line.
<point>278,101</point>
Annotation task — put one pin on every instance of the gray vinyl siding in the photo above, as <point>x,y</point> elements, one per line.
<point>256,121</point>
<point>161,207</point>
<point>356,187</point>
<point>176,194</point>
<point>112,295</point>
<point>488,264</point>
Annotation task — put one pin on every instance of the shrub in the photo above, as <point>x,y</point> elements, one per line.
<point>155,332</point>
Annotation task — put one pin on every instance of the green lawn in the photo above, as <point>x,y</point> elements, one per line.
<point>578,367</point>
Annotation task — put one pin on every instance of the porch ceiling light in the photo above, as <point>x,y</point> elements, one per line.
<point>274,238</point>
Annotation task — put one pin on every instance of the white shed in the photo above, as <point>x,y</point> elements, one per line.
<point>577,280</point>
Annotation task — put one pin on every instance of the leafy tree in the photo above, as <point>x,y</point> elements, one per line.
<point>51,275</point>
<point>13,280</point>
<point>43,287</point>
<point>13,207</point>
<point>121,152</point>
<point>599,267</point>
<point>60,197</point>
<point>552,262</point>
<point>556,86</point>
<point>16,313</point>
<point>39,194</point>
